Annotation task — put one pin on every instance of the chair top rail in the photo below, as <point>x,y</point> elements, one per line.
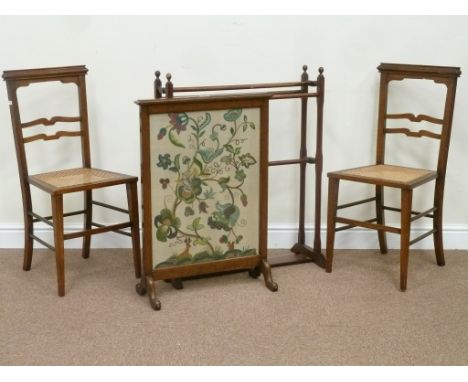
<point>422,71</point>
<point>45,74</point>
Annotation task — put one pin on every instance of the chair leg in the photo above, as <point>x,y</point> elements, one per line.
<point>438,240</point>
<point>57,217</point>
<point>406,202</point>
<point>28,241</point>
<point>132,198</point>
<point>333,186</point>
<point>88,218</point>
<point>379,202</point>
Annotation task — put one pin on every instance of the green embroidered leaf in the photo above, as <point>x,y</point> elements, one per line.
<point>174,140</point>
<point>162,133</point>
<point>177,162</point>
<point>249,252</point>
<point>209,194</point>
<point>226,159</point>
<point>182,118</point>
<point>243,199</point>
<point>232,115</point>
<point>229,148</point>
<point>206,121</point>
<point>246,125</point>
<point>198,164</point>
<point>201,257</point>
<point>195,226</point>
<point>223,182</point>
<point>223,239</point>
<point>166,213</point>
<point>225,217</point>
<point>189,211</point>
<point>247,160</point>
<point>162,232</point>
<point>164,161</point>
<point>207,154</point>
<point>214,136</point>
<point>240,175</point>
<point>200,241</point>
<point>232,214</point>
<point>232,253</point>
<point>239,238</point>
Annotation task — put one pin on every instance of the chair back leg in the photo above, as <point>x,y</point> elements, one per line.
<point>437,223</point>
<point>88,218</point>
<point>379,203</point>
<point>28,240</point>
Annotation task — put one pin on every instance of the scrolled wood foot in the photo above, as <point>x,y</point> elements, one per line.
<point>255,272</point>
<point>177,284</point>
<point>154,302</point>
<point>266,270</point>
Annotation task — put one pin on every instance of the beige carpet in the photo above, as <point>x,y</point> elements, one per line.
<point>356,315</point>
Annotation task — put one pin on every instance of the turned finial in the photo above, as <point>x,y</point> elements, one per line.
<point>157,85</point>
<point>169,86</point>
<point>320,70</point>
<point>304,76</point>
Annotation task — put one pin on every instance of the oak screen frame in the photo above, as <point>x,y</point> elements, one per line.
<point>193,104</point>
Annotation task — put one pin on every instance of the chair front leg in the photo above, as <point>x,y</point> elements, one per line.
<point>57,218</point>
<point>88,218</point>
<point>379,203</point>
<point>132,198</point>
<point>406,202</point>
<point>333,187</point>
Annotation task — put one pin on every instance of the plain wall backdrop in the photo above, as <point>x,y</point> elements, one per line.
<point>122,53</point>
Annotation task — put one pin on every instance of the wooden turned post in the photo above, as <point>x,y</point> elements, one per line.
<point>169,86</point>
<point>157,85</point>
<point>303,155</point>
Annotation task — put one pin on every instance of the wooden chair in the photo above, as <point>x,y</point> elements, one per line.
<point>62,182</point>
<point>404,178</point>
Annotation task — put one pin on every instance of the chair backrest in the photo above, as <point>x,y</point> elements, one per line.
<point>439,74</point>
<point>16,79</point>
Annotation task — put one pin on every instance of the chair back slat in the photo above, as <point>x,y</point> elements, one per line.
<point>416,118</point>
<point>50,121</point>
<point>410,133</point>
<point>57,135</point>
